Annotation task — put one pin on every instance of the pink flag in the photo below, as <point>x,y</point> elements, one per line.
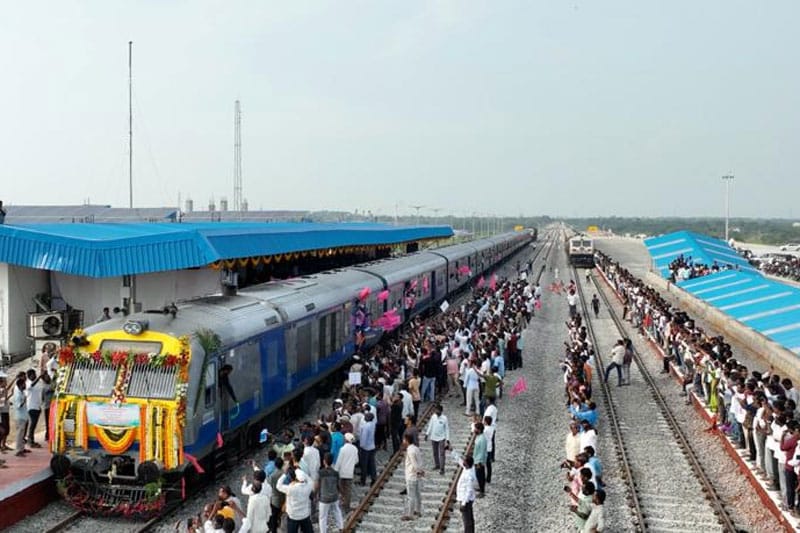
<point>383,296</point>
<point>363,293</point>
<point>192,459</point>
<point>220,442</point>
<point>413,284</point>
<point>481,282</point>
<point>493,282</point>
<point>424,284</point>
<point>519,387</point>
<point>537,304</point>
<point>463,269</point>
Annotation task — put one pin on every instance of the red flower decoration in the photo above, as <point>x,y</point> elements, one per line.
<point>170,360</point>
<point>66,355</point>
<point>118,358</point>
<point>97,356</point>
<point>142,358</point>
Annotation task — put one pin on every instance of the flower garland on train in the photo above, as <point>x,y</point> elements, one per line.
<point>116,441</point>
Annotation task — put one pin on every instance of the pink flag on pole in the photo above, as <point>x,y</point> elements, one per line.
<point>383,296</point>
<point>481,282</point>
<point>519,387</point>
<point>493,282</point>
<point>363,293</point>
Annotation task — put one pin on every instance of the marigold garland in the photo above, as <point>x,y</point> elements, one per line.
<point>113,439</point>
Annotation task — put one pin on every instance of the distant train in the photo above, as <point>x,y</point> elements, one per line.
<point>146,403</point>
<point>580,251</point>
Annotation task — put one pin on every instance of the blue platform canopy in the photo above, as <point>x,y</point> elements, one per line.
<point>769,307</point>
<point>700,249</point>
<point>104,250</point>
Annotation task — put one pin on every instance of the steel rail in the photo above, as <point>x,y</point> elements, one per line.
<point>715,500</point>
<point>388,470</point>
<point>635,504</point>
<point>63,524</point>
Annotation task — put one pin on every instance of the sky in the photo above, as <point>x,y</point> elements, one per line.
<point>560,108</point>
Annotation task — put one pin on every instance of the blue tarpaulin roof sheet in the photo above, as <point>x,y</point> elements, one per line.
<point>104,250</point>
<point>769,307</point>
<point>701,249</point>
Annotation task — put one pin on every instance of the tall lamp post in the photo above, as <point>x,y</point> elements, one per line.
<point>728,178</point>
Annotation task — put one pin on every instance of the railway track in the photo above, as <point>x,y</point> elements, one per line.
<point>78,521</point>
<point>380,507</point>
<point>668,490</point>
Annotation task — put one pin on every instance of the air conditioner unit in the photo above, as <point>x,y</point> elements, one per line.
<point>45,325</point>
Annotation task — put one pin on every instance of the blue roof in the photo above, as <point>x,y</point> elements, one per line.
<point>769,307</point>
<point>104,250</point>
<point>702,249</point>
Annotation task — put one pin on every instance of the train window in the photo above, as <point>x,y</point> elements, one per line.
<point>272,359</point>
<point>303,352</point>
<point>291,350</point>
<point>587,244</point>
<point>90,378</point>
<point>346,324</point>
<point>338,330</point>
<point>322,337</point>
<point>210,384</point>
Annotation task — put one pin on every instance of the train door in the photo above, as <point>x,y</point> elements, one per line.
<point>273,367</point>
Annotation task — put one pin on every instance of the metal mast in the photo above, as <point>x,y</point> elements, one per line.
<point>130,124</point>
<point>237,157</point>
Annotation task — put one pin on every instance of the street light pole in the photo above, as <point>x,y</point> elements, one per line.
<point>728,178</point>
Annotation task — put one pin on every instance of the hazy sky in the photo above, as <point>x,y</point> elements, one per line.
<point>552,107</point>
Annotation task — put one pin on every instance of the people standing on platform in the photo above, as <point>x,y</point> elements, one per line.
<point>465,493</point>
<point>413,475</point>
<point>5,416</point>
<point>20,415</point>
<point>438,432</point>
<point>34,393</point>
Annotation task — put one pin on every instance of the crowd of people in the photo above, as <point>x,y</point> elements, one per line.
<point>465,352</point>
<point>756,409</point>
<point>783,266</point>
<point>584,473</point>
<point>682,268</point>
<point>25,399</point>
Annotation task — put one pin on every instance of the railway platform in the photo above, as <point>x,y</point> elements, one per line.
<point>629,252</point>
<point>26,485</point>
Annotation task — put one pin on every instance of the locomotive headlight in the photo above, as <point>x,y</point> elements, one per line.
<point>134,327</point>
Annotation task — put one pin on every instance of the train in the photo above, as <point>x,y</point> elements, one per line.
<point>148,404</point>
<point>580,251</point>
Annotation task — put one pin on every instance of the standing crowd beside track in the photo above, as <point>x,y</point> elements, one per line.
<point>584,488</point>
<point>309,477</point>
<point>757,410</point>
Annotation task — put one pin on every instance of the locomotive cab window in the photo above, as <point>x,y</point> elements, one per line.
<point>210,392</point>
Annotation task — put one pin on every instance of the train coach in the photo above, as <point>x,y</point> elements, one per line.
<point>147,404</point>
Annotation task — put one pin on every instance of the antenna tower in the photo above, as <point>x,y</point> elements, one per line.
<point>237,157</point>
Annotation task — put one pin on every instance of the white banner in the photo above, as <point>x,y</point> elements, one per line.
<point>107,414</point>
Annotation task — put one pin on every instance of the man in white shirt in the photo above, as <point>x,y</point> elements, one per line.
<point>34,392</point>
<point>617,360</point>
<point>465,493</point>
<point>345,464</point>
<point>472,386</point>
<point>298,501</point>
<point>413,471</point>
<point>439,432</point>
